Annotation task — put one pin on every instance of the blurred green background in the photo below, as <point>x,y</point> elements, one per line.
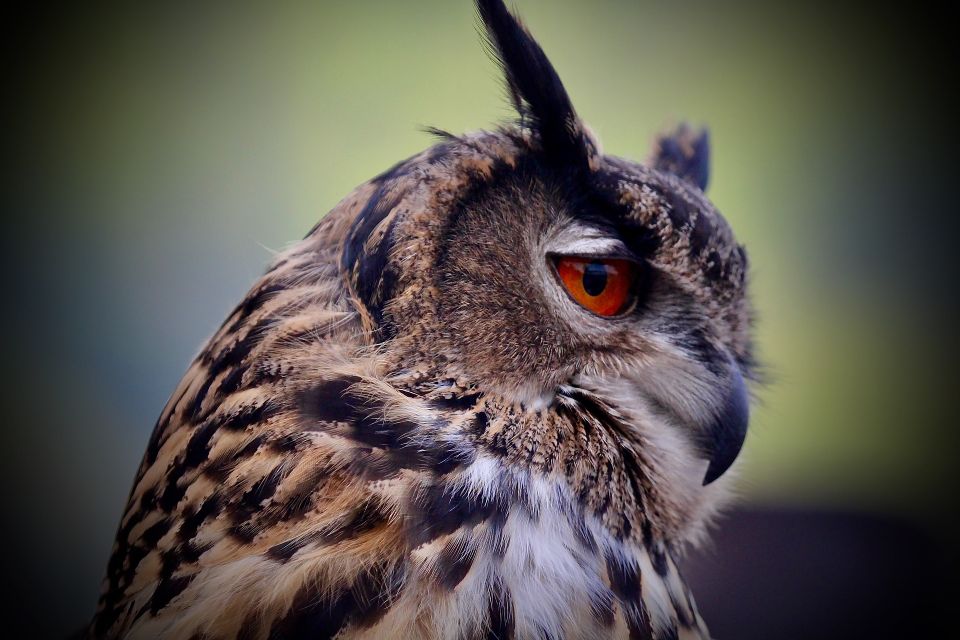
<point>161,155</point>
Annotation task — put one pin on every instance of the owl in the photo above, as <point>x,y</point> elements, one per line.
<point>491,394</point>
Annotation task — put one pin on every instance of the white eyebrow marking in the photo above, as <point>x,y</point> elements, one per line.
<point>594,247</point>
<point>579,239</point>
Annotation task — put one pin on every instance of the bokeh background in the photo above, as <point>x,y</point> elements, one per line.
<point>161,155</point>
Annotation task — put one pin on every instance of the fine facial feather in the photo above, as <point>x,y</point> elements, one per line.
<point>408,429</point>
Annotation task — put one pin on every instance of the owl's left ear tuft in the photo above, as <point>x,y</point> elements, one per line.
<point>684,152</point>
<point>535,88</point>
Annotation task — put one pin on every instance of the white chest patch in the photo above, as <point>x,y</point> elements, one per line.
<point>540,569</point>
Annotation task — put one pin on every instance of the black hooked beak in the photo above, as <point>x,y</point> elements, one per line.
<point>723,439</point>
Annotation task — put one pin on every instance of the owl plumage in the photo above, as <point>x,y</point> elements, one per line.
<point>410,429</point>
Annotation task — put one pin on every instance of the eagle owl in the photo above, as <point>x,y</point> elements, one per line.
<point>490,394</point>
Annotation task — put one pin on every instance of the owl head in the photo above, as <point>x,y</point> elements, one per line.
<point>525,265</point>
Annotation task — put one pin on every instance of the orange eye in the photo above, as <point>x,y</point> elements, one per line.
<point>601,285</point>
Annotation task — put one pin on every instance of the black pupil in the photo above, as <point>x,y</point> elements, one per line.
<point>595,278</point>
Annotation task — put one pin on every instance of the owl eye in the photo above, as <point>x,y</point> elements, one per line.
<point>604,286</point>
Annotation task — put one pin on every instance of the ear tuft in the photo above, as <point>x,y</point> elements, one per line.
<point>684,152</point>
<point>534,86</point>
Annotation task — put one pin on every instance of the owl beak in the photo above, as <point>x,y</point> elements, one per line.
<point>724,438</point>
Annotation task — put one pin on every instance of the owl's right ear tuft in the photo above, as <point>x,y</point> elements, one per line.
<point>534,87</point>
<point>684,152</point>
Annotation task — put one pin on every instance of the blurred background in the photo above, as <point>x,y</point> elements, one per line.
<point>160,156</point>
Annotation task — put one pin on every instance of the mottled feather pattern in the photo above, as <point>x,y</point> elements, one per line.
<point>406,431</point>
<point>291,461</point>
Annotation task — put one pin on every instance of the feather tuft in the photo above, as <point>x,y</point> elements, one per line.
<point>534,86</point>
